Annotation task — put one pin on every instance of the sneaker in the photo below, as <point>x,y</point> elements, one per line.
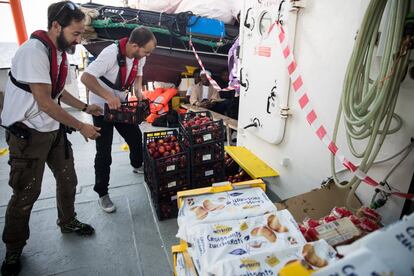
<point>138,170</point>
<point>80,228</point>
<point>106,204</point>
<point>11,265</point>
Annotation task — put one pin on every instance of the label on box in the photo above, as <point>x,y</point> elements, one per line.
<point>338,231</point>
<point>206,157</point>
<point>170,168</point>
<point>208,173</point>
<point>207,137</point>
<point>172,184</point>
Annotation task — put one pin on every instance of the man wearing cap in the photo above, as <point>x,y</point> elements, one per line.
<point>36,128</point>
<point>204,95</point>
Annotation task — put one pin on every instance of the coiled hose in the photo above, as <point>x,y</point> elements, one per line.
<point>367,104</point>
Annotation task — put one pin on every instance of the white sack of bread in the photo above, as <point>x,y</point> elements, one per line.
<point>235,239</point>
<point>236,204</point>
<point>316,254</point>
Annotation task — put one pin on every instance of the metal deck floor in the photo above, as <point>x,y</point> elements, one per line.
<point>130,241</point>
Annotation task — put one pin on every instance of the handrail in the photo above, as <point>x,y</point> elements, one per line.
<point>19,23</point>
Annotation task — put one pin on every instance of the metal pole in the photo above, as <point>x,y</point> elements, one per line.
<point>19,24</point>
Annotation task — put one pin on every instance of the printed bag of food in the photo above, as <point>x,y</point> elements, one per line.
<point>236,204</point>
<point>360,262</point>
<point>315,254</point>
<point>235,239</point>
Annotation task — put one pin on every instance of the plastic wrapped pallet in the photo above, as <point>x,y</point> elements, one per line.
<point>215,207</point>
<point>237,239</point>
<point>388,251</point>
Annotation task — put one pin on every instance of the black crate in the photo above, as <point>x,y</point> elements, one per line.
<point>165,203</point>
<point>230,166</point>
<point>166,173</point>
<point>168,182</point>
<point>207,132</point>
<point>133,112</point>
<point>206,153</point>
<point>207,174</point>
<point>191,115</point>
<point>166,210</point>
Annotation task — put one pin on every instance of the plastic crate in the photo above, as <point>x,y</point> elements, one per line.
<point>165,173</point>
<point>207,174</point>
<point>206,153</point>
<point>168,182</point>
<point>230,166</point>
<point>133,112</point>
<point>166,210</point>
<point>167,164</point>
<point>165,204</point>
<point>208,132</point>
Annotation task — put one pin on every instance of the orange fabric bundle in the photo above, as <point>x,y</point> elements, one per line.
<point>159,99</point>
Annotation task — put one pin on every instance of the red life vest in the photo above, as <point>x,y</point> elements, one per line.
<point>57,76</point>
<point>121,82</point>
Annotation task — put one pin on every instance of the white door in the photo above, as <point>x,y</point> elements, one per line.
<point>264,78</point>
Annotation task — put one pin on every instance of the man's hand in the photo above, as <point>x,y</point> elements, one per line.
<point>94,110</point>
<point>89,131</point>
<point>114,102</point>
<point>206,103</point>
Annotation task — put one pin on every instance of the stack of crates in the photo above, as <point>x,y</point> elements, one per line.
<point>165,174</point>
<point>204,139</point>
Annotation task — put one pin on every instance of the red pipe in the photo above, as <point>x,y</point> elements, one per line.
<point>19,24</point>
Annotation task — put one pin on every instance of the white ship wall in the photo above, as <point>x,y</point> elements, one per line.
<point>325,33</point>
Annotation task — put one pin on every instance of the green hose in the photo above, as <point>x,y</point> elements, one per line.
<point>367,104</point>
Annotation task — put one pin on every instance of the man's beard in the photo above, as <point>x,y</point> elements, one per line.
<point>63,44</point>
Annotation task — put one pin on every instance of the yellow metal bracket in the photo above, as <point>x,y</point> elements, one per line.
<point>227,186</point>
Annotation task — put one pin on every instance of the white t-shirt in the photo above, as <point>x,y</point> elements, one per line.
<point>205,92</point>
<point>106,64</point>
<point>29,65</point>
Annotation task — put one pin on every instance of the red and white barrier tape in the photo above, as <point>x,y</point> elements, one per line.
<point>301,94</point>
<point>212,81</point>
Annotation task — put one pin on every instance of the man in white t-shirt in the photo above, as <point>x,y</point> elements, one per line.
<point>36,128</point>
<point>204,95</point>
<point>197,79</point>
<point>110,77</point>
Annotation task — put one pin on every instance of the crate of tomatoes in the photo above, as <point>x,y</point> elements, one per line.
<point>131,112</point>
<point>199,127</point>
<point>166,164</point>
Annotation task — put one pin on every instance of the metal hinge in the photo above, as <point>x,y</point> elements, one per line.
<point>284,112</point>
<point>298,3</point>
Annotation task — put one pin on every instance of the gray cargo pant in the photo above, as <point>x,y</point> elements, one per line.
<point>27,161</point>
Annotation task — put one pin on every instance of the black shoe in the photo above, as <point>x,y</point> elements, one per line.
<point>75,226</point>
<point>11,265</point>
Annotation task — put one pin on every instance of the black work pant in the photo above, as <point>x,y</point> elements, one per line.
<point>219,107</point>
<point>27,161</point>
<point>103,159</point>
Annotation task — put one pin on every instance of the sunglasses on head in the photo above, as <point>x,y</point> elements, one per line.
<point>68,5</point>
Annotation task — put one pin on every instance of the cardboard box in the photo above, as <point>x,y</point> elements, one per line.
<point>317,203</point>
